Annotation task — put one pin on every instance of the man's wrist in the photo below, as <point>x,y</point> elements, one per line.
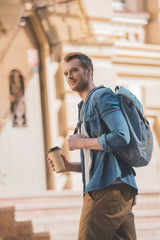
<point>90,143</point>
<point>82,143</point>
<point>74,167</point>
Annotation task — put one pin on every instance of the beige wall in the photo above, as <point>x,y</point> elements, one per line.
<point>21,149</point>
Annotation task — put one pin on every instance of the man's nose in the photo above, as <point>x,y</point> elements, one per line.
<point>70,76</point>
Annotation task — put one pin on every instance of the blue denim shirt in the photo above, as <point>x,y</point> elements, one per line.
<point>104,120</point>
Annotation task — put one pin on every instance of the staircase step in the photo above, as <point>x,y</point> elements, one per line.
<point>7,222</point>
<point>24,228</point>
<point>146,226</point>
<point>41,236</point>
<point>146,201</point>
<point>47,196</point>
<point>58,228</point>
<point>147,213</point>
<point>146,238</point>
<point>32,211</point>
<point>148,233</point>
<point>43,206</point>
<point>67,234</point>
<point>27,215</point>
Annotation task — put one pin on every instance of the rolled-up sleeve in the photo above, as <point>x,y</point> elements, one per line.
<point>112,116</point>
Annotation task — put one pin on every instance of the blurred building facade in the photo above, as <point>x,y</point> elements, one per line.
<point>38,110</point>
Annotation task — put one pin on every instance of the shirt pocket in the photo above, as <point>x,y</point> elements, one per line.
<point>93,125</point>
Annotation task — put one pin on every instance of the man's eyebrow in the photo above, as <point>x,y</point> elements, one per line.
<point>73,68</point>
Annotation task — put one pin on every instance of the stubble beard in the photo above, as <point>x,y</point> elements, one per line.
<point>80,87</point>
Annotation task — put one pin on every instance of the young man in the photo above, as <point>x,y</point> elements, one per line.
<point>109,183</point>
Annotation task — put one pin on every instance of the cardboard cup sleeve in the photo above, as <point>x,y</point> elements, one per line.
<point>55,155</point>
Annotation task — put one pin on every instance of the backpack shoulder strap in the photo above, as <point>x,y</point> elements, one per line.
<point>83,106</point>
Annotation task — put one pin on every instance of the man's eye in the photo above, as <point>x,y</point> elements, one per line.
<point>65,74</point>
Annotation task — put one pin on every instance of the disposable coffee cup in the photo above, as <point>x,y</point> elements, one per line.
<point>55,155</point>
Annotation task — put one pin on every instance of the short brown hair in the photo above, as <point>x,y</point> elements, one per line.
<point>84,59</point>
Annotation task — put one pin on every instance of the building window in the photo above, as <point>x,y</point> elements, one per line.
<point>125,5</point>
<point>119,5</point>
<point>18,107</point>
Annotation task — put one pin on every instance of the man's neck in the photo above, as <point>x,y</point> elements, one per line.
<point>84,93</point>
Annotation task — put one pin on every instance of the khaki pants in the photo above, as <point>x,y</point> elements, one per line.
<point>107,214</point>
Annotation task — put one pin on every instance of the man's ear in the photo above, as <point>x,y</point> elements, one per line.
<point>89,71</point>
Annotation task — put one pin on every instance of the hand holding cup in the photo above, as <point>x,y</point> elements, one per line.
<point>55,159</point>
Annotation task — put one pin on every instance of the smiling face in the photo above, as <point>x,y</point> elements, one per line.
<point>76,75</point>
